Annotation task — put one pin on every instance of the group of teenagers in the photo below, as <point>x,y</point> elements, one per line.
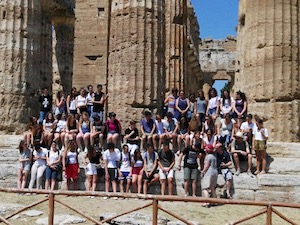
<point>206,133</point>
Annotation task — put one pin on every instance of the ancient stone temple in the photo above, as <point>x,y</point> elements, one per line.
<point>268,64</point>
<point>34,35</point>
<point>138,49</point>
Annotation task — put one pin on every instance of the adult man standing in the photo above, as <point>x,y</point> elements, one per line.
<point>223,162</point>
<point>45,100</point>
<point>166,162</point>
<point>241,152</point>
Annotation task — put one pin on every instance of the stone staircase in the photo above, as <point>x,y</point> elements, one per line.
<point>281,183</point>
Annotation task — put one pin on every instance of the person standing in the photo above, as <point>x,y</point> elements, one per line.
<point>25,157</point>
<point>223,162</point>
<point>209,175</point>
<point>98,102</point>
<point>111,159</point>
<point>45,101</point>
<point>166,163</point>
<point>190,167</point>
<point>39,166</point>
<point>53,160</point>
<point>90,96</point>
<point>260,137</point>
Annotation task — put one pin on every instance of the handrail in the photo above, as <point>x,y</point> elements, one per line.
<point>155,199</point>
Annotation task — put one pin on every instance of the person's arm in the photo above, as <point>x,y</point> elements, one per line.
<point>188,107</point>
<point>80,128</point>
<point>247,148</point>
<point>245,108</point>
<point>153,128</point>
<point>219,128</point>
<point>207,107</point>
<point>176,128</point>
<point>142,129</point>
<point>64,157</point>
<point>195,108</point>
<point>68,104</point>
<point>60,102</point>
<point>120,127</point>
<point>206,166</point>
<point>166,100</point>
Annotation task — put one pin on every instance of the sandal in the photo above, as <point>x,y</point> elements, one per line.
<point>256,172</point>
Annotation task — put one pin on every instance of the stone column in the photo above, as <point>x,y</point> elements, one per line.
<point>268,64</point>
<point>136,62</point>
<point>21,73</point>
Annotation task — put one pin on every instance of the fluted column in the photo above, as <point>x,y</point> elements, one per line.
<point>268,64</point>
<point>21,64</point>
<point>135,57</point>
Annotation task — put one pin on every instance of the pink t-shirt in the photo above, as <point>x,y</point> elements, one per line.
<point>113,126</point>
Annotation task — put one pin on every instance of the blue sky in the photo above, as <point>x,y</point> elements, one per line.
<point>217,19</point>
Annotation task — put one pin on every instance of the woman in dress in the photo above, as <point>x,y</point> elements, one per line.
<point>53,161</point>
<point>25,157</point>
<point>71,165</point>
<point>113,127</point>
<point>84,132</point>
<point>48,129</point>
<point>239,105</point>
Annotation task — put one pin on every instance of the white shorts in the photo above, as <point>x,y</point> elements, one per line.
<point>91,169</point>
<point>163,175</point>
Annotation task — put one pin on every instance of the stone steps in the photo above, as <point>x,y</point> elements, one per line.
<point>282,183</point>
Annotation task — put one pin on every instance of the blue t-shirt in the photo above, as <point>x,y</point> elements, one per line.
<point>147,125</point>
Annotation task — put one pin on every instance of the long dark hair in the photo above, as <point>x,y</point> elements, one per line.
<point>20,147</point>
<point>223,96</point>
<point>135,156</point>
<point>214,90</point>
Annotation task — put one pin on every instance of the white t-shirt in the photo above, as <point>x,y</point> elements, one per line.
<point>247,126</point>
<point>226,107</point>
<point>212,103</point>
<point>60,126</point>
<point>80,100</point>
<point>42,153</point>
<point>48,125</point>
<point>125,163</point>
<point>53,156</point>
<point>257,133</point>
<point>72,157</point>
<point>211,141</point>
<point>112,158</point>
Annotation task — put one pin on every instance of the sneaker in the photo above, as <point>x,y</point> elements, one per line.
<point>78,150</point>
<point>105,197</point>
<point>115,198</point>
<point>238,172</point>
<point>85,150</point>
<point>62,148</point>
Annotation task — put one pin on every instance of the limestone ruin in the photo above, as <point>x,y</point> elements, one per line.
<point>140,49</point>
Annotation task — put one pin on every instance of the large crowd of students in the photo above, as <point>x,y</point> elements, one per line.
<point>207,134</point>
